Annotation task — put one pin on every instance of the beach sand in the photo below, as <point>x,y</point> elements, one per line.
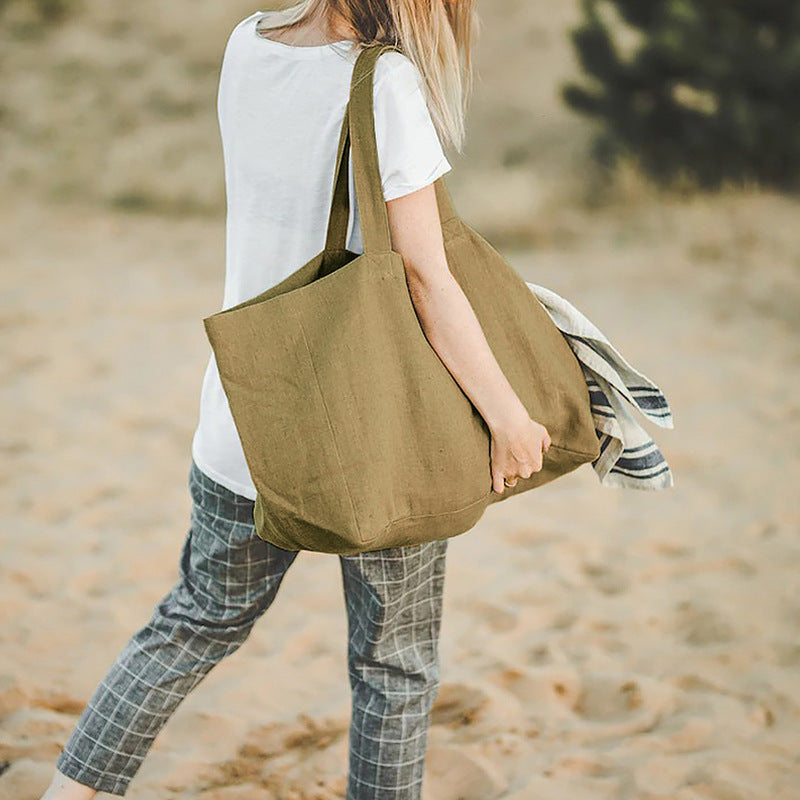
<point>596,643</point>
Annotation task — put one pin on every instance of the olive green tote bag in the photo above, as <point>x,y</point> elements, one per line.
<point>356,435</point>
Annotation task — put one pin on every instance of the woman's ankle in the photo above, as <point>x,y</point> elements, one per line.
<point>64,788</point>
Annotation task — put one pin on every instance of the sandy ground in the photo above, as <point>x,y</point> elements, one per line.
<point>596,643</point>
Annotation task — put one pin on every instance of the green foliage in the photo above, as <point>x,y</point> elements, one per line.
<point>32,15</point>
<point>711,91</point>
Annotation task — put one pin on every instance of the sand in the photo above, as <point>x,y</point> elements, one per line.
<point>596,643</point>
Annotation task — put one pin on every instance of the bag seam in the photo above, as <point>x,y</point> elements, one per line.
<point>436,513</point>
<point>330,429</point>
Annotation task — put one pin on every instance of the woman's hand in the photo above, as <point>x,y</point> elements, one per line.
<point>517,449</point>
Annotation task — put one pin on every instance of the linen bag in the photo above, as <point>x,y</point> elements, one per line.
<point>356,435</point>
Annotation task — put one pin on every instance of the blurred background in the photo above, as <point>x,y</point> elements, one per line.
<point>642,160</point>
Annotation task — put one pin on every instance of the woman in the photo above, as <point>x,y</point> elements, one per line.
<point>283,88</point>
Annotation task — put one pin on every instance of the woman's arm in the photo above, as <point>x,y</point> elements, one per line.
<point>454,332</point>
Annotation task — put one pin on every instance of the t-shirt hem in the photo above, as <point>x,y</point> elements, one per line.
<point>234,486</point>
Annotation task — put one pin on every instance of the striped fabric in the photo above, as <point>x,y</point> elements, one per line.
<point>629,458</point>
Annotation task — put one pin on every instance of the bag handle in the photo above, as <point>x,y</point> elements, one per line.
<point>339,214</point>
<point>358,129</point>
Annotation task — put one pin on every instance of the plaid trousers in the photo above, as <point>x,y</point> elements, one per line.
<point>228,577</point>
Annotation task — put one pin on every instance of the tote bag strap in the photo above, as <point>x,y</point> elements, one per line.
<point>358,130</point>
<point>339,214</point>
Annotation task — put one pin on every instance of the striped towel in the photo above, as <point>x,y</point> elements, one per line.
<point>629,458</point>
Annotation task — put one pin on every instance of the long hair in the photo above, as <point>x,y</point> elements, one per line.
<point>436,35</point>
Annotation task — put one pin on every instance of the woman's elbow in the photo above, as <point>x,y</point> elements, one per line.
<point>416,235</point>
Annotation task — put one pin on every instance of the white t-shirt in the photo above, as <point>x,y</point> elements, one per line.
<point>280,110</point>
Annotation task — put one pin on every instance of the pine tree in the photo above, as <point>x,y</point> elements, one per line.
<point>38,11</point>
<point>711,90</point>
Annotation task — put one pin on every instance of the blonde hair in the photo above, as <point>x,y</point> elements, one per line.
<point>436,35</point>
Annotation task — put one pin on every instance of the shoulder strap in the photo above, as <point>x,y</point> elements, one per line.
<point>358,130</point>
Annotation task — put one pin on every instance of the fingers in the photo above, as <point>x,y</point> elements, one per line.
<point>534,465</point>
<point>500,476</point>
<point>523,470</point>
<point>529,469</point>
<point>546,441</point>
<point>514,467</point>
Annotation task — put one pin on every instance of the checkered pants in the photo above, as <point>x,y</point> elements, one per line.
<point>228,578</point>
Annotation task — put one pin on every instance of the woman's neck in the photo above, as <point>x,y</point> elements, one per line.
<point>312,32</point>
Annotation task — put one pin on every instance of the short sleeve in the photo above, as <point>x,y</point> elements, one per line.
<point>410,155</point>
